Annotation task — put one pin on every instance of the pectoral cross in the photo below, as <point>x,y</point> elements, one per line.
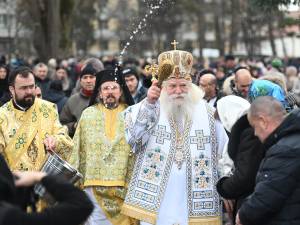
<point>153,69</point>
<point>174,43</point>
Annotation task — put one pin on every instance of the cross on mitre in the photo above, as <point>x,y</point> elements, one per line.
<point>174,43</point>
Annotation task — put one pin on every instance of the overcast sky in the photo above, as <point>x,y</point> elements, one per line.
<point>293,7</point>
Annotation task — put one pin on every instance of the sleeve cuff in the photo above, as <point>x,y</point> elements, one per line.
<point>148,105</point>
<point>219,185</point>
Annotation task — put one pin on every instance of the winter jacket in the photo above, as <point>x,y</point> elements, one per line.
<point>72,207</point>
<point>141,93</point>
<point>246,151</point>
<point>44,86</point>
<point>72,110</point>
<point>276,198</point>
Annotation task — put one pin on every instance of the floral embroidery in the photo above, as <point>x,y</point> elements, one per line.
<point>34,116</point>
<point>45,111</point>
<point>21,141</point>
<point>201,166</point>
<point>154,165</point>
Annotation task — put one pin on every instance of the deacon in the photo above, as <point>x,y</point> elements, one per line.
<point>177,143</point>
<point>30,125</point>
<point>101,152</point>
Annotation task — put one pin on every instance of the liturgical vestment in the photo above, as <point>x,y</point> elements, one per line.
<point>164,190</point>
<point>104,158</point>
<point>22,134</point>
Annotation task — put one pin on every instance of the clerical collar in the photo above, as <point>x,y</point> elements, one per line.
<point>19,107</point>
<point>210,98</point>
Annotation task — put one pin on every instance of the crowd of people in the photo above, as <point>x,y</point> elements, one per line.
<point>161,146</point>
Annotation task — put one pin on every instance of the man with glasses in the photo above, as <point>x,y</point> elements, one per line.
<point>30,125</point>
<point>101,152</point>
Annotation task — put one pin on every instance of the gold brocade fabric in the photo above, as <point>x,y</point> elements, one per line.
<point>101,153</point>
<point>110,120</point>
<point>111,199</point>
<point>103,157</point>
<point>22,134</point>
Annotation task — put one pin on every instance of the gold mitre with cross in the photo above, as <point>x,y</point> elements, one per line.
<point>174,64</point>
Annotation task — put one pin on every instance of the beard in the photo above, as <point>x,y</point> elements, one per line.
<point>177,106</point>
<point>25,102</point>
<point>110,102</point>
<point>180,106</point>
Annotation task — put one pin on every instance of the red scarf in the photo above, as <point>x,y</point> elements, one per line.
<point>87,93</point>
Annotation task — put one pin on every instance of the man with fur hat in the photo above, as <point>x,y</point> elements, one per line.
<point>177,143</point>
<point>101,152</point>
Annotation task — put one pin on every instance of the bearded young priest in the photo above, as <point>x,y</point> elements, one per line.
<point>177,143</point>
<point>29,125</point>
<point>101,152</point>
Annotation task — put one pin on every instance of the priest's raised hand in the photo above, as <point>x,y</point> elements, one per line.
<point>153,92</point>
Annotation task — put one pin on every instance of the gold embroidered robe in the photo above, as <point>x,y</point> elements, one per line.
<point>22,134</point>
<point>102,156</point>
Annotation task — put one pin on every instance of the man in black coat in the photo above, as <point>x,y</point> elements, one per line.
<point>276,198</point>
<point>72,208</point>
<point>246,151</point>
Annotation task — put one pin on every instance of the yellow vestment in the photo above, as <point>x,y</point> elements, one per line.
<point>22,134</point>
<point>102,155</point>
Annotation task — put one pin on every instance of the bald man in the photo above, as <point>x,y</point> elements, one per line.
<point>243,80</point>
<point>276,198</point>
<point>208,83</point>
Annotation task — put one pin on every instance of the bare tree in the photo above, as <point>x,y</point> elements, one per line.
<point>235,11</point>
<point>219,15</point>
<point>45,21</point>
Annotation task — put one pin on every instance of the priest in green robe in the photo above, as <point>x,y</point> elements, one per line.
<point>101,152</point>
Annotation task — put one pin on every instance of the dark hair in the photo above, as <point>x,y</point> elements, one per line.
<point>240,68</point>
<point>56,85</point>
<point>61,67</point>
<point>4,82</point>
<point>23,71</point>
<point>130,71</point>
<point>5,67</point>
<point>206,71</point>
<point>229,57</point>
<point>203,72</point>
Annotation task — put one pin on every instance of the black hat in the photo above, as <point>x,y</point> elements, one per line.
<point>111,75</point>
<point>88,69</point>
<point>129,71</point>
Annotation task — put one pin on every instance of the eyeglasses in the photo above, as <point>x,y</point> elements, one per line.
<point>110,88</point>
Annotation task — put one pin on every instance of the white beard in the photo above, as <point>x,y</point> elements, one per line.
<point>181,108</point>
